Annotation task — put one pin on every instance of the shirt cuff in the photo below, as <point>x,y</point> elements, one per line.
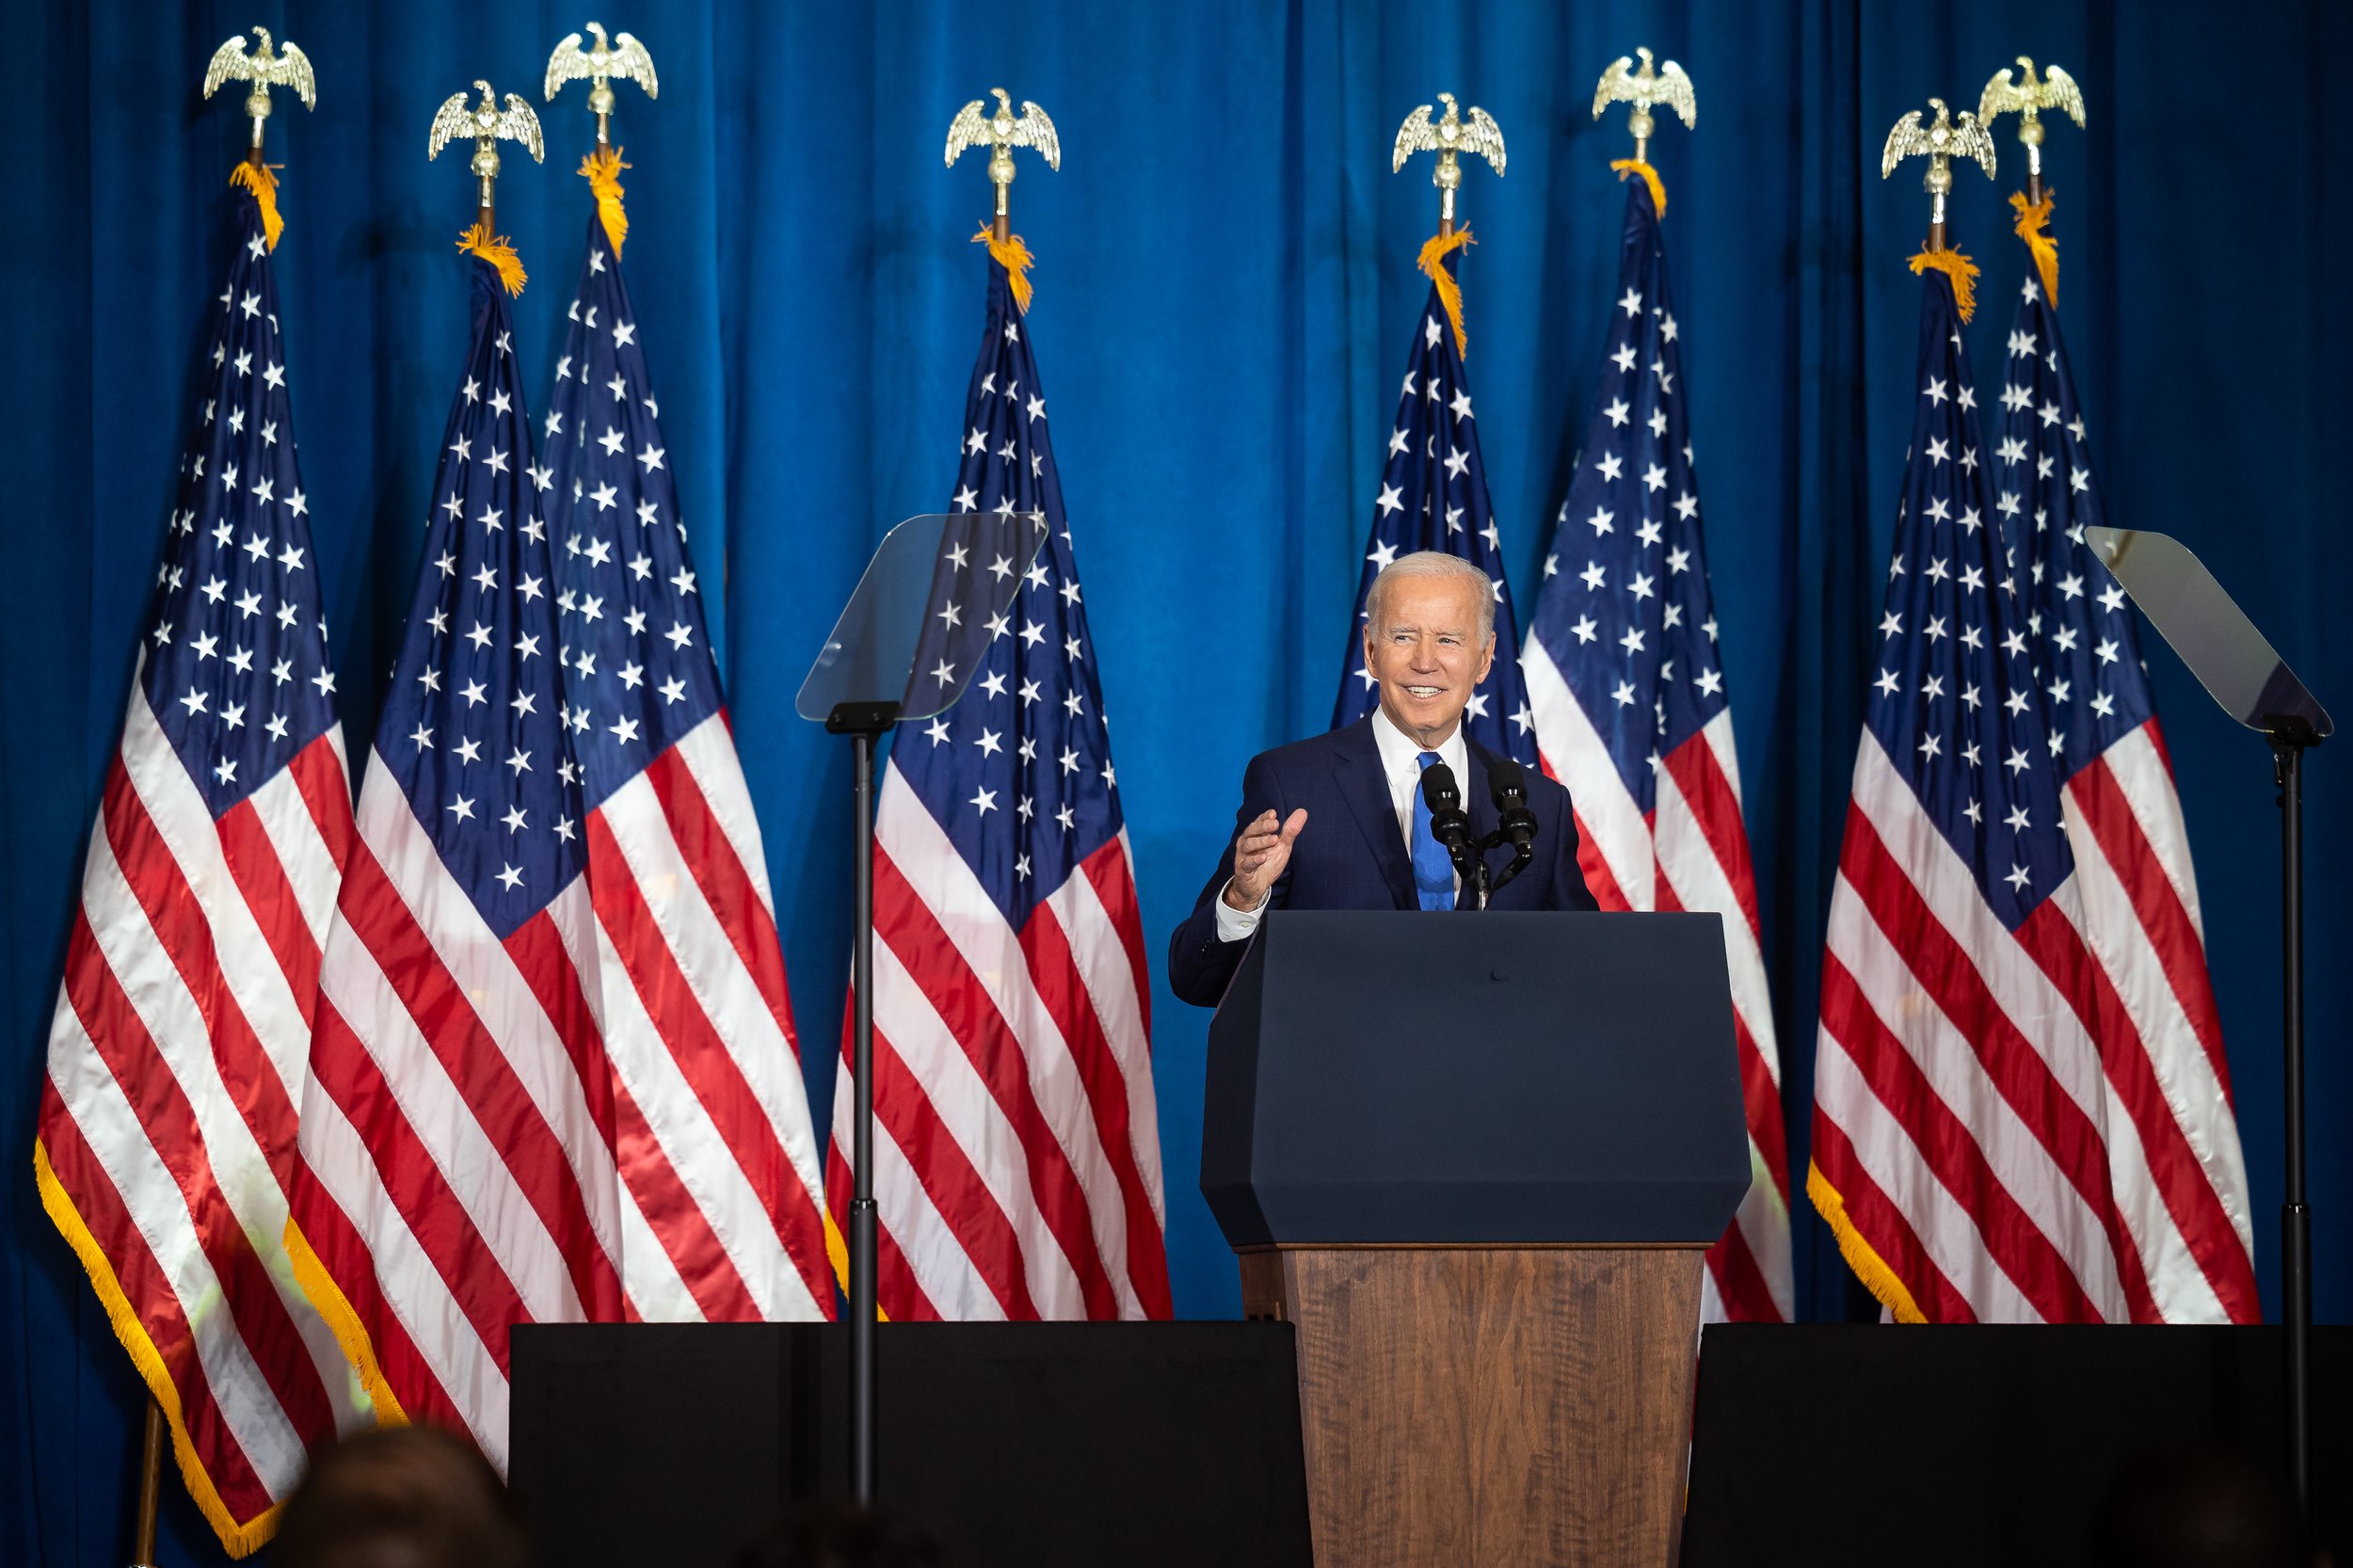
<point>1234,925</point>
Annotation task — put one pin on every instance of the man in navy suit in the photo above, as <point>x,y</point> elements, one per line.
<point>1337,821</point>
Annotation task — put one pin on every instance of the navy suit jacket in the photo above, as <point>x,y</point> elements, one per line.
<point>1351,854</point>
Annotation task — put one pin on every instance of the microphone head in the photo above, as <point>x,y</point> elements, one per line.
<point>1438,789</point>
<point>1507,782</point>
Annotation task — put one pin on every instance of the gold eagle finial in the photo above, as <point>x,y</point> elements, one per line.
<point>622,57</point>
<point>1942,143</point>
<point>1001,133</point>
<point>486,124</point>
<point>288,66</point>
<point>1450,137</point>
<point>1668,85</point>
<point>2030,98</point>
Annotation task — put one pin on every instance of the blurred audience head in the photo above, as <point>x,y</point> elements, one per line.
<point>399,1497</point>
<point>2197,1506</point>
<point>836,1535</point>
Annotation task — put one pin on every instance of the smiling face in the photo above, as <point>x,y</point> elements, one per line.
<point>1428,652</point>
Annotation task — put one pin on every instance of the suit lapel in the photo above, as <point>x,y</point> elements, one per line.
<point>1365,788</point>
<point>1478,800</point>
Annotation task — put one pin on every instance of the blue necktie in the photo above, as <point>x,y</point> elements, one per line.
<point>1433,871</point>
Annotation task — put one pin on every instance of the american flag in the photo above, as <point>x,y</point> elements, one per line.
<point>1982,1132</point>
<point>1434,496</point>
<point>166,1124</point>
<point>458,1123</point>
<point>1632,715</point>
<point>2159,1034</point>
<point>1016,1150</point>
<point>714,1143</point>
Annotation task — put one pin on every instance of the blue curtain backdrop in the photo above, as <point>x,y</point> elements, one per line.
<point>1224,288</point>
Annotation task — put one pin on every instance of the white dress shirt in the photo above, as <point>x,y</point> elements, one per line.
<point>1400,765</point>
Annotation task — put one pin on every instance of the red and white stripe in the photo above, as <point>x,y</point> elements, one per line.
<point>2142,923</point>
<point>715,1143</point>
<point>1017,1153</point>
<point>599,1117</point>
<point>2028,1127</point>
<point>458,1125</point>
<point>166,1124</point>
<point>1690,851</point>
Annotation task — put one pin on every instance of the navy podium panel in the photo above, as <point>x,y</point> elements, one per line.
<point>1017,1445</point>
<point>1503,1078</point>
<point>1821,1446</point>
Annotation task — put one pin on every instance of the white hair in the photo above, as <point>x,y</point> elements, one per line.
<point>1434,562</point>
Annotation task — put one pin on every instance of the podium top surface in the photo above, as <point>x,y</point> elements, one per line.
<point>1402,1078</point>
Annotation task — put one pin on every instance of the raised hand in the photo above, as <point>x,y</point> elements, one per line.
<point>1259,855</point>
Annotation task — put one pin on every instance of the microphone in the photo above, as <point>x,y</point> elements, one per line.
<point>1508,784</point>
<point>1515,823</point>
<point>1448,823</point>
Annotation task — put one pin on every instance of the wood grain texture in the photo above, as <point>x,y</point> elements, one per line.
<point>1510,1408</point>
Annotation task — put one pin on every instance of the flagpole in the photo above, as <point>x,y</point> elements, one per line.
<point>866,723</point>
<point>150,1487</point>
<point>262,66</point>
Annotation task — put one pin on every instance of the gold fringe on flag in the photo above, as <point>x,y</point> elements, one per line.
<point>238,1540</point>
<point>1650,177</point>
<point>258,179</point>
<point>2045,248</point>
<point>1013,256</point>
<point>1960,268</point>
<point>1868,1266</point>
<point>1432,263</point>
<point>603,171</point>
<point>478,241</point>
<point>336,1310</point>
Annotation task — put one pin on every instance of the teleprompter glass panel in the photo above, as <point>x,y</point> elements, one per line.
<point>933,598</point>
<point>2235,661</point>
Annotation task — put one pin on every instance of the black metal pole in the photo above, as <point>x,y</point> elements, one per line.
<point>862,1142</point>
<point>2296,1217</point>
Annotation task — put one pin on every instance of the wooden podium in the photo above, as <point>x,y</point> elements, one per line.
<point>1476,1162</point>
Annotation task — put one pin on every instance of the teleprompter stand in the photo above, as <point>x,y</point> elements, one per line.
<point>2255,685</point>
<point>1475,1165</point>
<point>930,602</point>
